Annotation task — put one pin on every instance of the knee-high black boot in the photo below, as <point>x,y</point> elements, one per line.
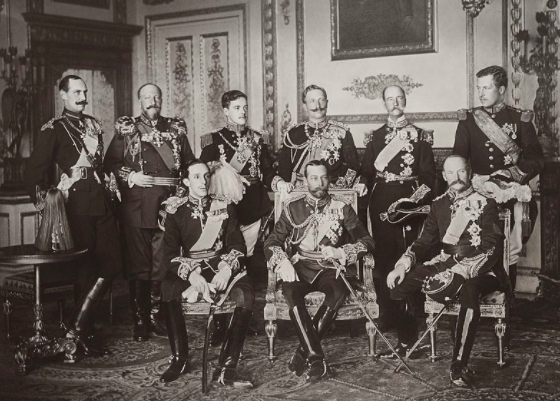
<point>157,325</point>
<point>323,321</point>
<point>140,307</point>
<point>220,326</point>
<point>178,340</point>
<point>467,324</point>
<point>83,314</point>
<point>310,342</point>
<point>226,373</point>
<point>513,277</point>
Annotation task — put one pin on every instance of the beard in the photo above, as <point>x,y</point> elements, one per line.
<point>319,192</point>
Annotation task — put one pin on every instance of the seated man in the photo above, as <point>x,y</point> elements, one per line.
<point>466,227</point>
<point>320,230</point>
<point>206,229</point>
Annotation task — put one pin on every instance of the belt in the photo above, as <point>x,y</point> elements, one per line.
<point>390,177</point>
<point>458,250</point>
<point>251,179</point>
<point>199,255</point>
<point>81,173</point>
<point>315,255</point>
<point>166,181</point>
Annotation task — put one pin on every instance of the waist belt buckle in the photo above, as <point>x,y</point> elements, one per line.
<point>83,173</point>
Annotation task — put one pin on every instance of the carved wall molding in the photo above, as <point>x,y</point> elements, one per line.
<point>269,67</point>
<point>77,31</point>
<point>371,87</point>
<point>119,11</point>
<point>382,118</point>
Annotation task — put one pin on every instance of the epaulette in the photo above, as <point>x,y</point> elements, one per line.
<point>93,118</point>
<point>440,197</point>
<point>50,123</point>
<point>207,139</point>
<point>179,124</point>
<point>342,199</point>
<point>368,136</point>
<point>173,203</point>
<point>125,125</point>
<point>261,134</point>
<point>428,136</point>
<point>292,126</point>
<point>287,207</point>
<point>462,114</point>
<point>221,198</point>
<point>295,198</point>
<point>339,124</point>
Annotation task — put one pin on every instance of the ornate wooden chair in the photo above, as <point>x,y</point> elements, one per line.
<point>494,305</point>
<point>276,307</point>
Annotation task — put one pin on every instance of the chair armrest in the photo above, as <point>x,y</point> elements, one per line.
<point>271,287</point>
<point>368,266</point>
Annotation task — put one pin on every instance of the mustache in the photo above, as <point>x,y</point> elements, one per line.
<point>458,182</point>
<point>319,109</point>
<point>397,108</point>
<point>82,102</point>
<point>153,106</point>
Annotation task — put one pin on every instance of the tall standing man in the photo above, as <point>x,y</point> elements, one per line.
<point>398,165</point>
<point>146,155</point>
<point>319,138</point>
<point>74,142</point>
<point>246,150</point>
<point>502,146</point>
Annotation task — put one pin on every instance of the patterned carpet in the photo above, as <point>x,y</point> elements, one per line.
<point>132,371</point>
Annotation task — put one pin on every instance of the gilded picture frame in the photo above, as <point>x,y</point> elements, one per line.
<point>376,28</point>
<point>90,3</point>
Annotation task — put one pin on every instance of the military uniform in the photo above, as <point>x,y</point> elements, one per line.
<point>398,163</point>
<point>247,151</point>
<point>466,228</point>
<point>308,224</point>
<point>74,142</point>
<point>208,233</point>
<point>330,141</point>
<point>514,147</point>
<point>159,149</point>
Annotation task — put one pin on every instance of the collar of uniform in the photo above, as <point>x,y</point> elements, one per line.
<point>319,125</point>
<point>317,203</point>
<point>496,108</point>
<point>462,195</point>
<point>238,129</point>
<point>73,115</point>
<point>148,122</point>
<point>400,123</point>
<point>199,201</point>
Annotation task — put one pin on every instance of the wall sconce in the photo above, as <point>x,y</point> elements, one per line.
<point>474,7</point>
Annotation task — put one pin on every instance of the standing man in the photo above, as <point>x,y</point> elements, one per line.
<point>317,139</point>
<point>502,146</point>
<point>316,228</point>
<point>465,226</point>
<point>146,154</point>
<point>398,166</point>
<point>246,150</point>
<point>74,142</point>
<point>204,249</point>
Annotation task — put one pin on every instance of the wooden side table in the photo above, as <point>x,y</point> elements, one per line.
<point>39,345</point>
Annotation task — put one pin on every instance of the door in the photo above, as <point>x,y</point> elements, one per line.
<point>195,57</point>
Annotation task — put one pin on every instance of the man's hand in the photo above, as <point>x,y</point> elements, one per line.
<point>142,180</point>
<point>361,189</point>
<point>330,252</point>
<point>221,278</point>
<point>287,273</point>
<point>503,173</point>
<point>199,283</point>
<point>398,273</point>
<point>284,186</point>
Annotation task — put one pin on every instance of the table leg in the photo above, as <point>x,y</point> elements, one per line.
<point>39,345</point>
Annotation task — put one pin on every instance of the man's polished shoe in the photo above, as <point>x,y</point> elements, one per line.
<point>316,370</point>
<point>177,368</point>
<point>297,364</point>
<point>229,377</point>
<point>461,376</point>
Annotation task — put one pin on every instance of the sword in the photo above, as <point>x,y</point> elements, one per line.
<point>340,272</point>
<point>213,307</point>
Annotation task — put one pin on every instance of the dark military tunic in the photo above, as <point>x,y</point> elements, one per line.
<point>412,167</point>
<point>301,217</point>
<point>476,256</point>
<point>134,148</point>
<point>486,158</point>
<point>330,141</point>
<point>91,220</point>
<point>257,170</point>
<point>183,227</point>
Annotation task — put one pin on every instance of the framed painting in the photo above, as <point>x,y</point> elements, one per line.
<point>376,28</point>
<point>90,3</point>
